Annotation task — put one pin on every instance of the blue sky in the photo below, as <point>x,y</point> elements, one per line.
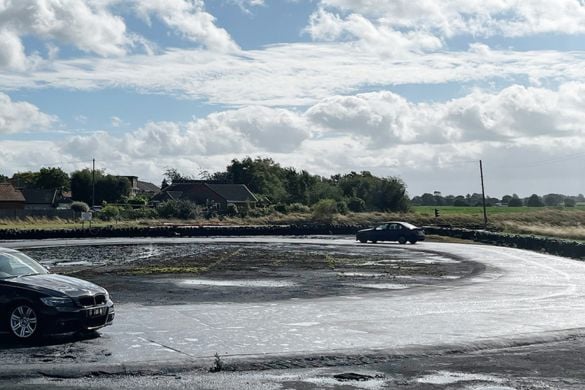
<point>417,89</point>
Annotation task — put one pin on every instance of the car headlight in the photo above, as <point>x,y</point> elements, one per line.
<point>57,301</point>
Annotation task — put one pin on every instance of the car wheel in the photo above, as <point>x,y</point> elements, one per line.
<point>374,241</point>
<point>23,321</point>
<point>402,240</point>
<point>413,242</point>
<point>363,241</point>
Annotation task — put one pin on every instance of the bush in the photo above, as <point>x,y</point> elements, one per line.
<point>109,213</point>
<point>281,208</point>
<point>356,205</point>
<point>182,209</point>
<point>137,201</point>
<point>232,210</point>
<point>324,210</point>
<point>79,207</point>
<point>570,202</point>
<point>342,207</point>
<point>298,208</point>
<point>259,212</point>
<point>146,213</point>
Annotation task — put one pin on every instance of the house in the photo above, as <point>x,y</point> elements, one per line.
<point>40,199</point>
<point>138,187</point>
<point>133,180</point>
<point>209,194</point>
<point>146,188</point>
<point>11,198</point>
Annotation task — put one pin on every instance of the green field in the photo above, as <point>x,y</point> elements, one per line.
<point>453,210</point>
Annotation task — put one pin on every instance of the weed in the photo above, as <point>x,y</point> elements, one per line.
<point>330,260</point>
<point>217,364</point>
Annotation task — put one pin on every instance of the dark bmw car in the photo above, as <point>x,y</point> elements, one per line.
<point>33,301</point>
<point>392,231</point>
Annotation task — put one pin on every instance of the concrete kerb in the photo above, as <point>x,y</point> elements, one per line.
<point>241,363</point>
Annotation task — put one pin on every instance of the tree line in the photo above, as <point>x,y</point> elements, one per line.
<point>475,199</point>
<point>283,188</point>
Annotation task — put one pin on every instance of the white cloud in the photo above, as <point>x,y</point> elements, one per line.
<point>189,18</point>
<point>86,25</point>
<point>387,119</point>
<point>297,74</point>
<point>383,39</point>
<point>363,132</point>
<point>245,5</point>
<point>431,146</point>
<point>246,130</point>
<point>96,27</point>
<point>476,17</point>
<point>21,116</point>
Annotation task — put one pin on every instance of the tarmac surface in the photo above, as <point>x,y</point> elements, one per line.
<point>521,299</point>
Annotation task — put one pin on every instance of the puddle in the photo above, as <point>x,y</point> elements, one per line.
<point>386,286</point>
<point>71,263</point>
<point>237,283</point>
<point>360,275</point>
<point>447,378</point>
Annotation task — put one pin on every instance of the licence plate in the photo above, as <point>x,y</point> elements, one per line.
<point>98,311</point>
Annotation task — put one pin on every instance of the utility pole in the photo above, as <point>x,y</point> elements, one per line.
<point>93,184</point>
<point>485,220</point>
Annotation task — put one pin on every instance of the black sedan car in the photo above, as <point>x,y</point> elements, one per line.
<point>392,231</point>
<point>34,301</point>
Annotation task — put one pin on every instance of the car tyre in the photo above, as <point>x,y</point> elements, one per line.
<point>23,322</point>
<point>413,242</point>
<point>374,241</point>
<point>402,240</point>
<point>363,241</point>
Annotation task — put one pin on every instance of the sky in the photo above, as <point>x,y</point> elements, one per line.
<point>416,89</point>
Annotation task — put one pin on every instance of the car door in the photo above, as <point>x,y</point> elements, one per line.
<point>393,232</point>
<point>379,232</point>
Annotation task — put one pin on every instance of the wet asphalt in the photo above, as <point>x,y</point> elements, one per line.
<point>521,298</point>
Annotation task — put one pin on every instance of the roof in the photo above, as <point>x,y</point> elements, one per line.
<point>233,192</point>
<point>230,193</point>
<point>147,187</point>
<point>10,194</point>
<point>174,195</point>
<point>39,196</point>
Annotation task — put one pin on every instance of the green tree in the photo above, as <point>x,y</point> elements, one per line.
<point>534,201</point>
<point>50,178</point>
<point>25,179</point>
<point>390,195</point>
<point>108,188</point>
<point>553,199</point>
<point>570,202</point>
<point>460,201</point>
<point>325,210</point>
<point>111,189</point>
<point>515,201</point>
<point>81,185</point>
<point>428,199</point>
<point>174,176</point>
<point>356,205</point>
<point>262,176</point>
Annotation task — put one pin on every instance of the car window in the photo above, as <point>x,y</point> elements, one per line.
<point>13,264</point>
<point>394,226</point>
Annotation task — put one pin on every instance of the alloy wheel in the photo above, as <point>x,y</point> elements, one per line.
<point>23,321</point>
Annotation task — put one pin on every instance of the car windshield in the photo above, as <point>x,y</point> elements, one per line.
<point>15,264</point>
